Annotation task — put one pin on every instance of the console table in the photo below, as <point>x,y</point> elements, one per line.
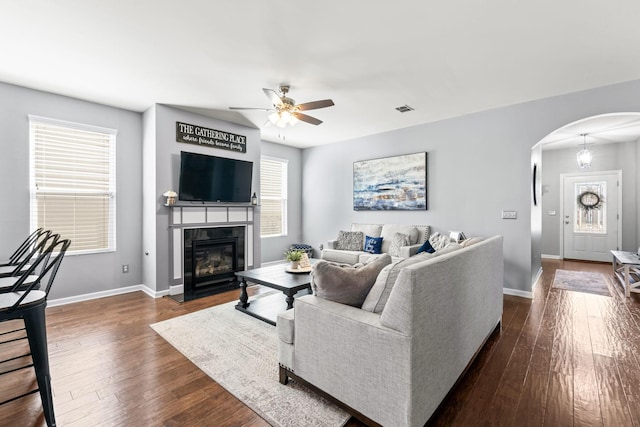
<point>626,267</point>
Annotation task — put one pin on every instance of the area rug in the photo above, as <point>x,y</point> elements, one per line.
<point>239,352</point>
<point>581,281</point>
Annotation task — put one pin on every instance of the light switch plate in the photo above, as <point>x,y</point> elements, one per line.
<point>509,214</point>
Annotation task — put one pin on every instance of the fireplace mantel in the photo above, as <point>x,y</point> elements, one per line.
<point>183,217</point>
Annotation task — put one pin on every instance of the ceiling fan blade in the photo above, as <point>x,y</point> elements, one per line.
<point>315,105</point>
<point>249,108</point>
<point>273,97</point>
<point>308,119</point>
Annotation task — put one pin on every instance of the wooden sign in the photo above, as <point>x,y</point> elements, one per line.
<point>198,135</point>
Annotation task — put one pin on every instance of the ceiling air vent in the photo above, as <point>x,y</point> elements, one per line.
<point>404,108</point>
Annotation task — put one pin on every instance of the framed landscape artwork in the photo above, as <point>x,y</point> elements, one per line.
<point>391,183</point>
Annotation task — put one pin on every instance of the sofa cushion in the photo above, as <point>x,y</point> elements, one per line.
<point>373,245</point>
<point>346,284</point>
<point>379,293</point>
<point>397,241</point>
<point>372,230</point>
<point>389,230</point>
<point>344,257</point>
<point>350,240</point>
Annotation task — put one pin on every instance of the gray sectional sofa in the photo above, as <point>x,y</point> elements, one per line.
<point>395,364</point>
<point>418,234</point>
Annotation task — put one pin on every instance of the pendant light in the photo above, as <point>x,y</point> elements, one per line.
<point>584,156</point>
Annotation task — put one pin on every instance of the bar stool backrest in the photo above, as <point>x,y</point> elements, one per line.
<point>48,263</point>
<point>26,246</point>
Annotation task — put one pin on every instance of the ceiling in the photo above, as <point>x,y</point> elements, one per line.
<point>444,59</point>
<point>598,130</point>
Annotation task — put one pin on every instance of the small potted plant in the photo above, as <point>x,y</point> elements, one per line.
<point>171,198</point>
<point>294,256</point>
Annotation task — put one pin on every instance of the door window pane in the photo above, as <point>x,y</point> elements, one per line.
<point>590,213</point>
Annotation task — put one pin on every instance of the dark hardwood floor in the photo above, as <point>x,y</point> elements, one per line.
<point>561,359</point>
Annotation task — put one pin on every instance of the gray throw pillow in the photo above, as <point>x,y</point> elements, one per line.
<point>346,284</point>
<point>399,240</point>
<point>381,289</point>
<point>350,240</point>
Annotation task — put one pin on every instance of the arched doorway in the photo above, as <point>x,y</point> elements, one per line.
<point>613,140</point>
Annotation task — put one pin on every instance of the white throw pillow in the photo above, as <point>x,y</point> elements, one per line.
<point>439,241</point>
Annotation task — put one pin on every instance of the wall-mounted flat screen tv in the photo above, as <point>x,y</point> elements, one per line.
<point>214,179</point>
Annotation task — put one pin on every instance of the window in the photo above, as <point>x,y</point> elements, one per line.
<point>273,197</point>
<point>72,182</point>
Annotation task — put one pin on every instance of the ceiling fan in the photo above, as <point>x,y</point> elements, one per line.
<point>285,111</point>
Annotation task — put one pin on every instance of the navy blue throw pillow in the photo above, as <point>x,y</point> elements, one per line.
<point>373,245</point>
<point>426,247</point>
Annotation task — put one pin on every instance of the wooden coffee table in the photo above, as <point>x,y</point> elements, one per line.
<point>266,308</point>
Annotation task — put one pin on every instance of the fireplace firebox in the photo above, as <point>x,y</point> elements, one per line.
<point>211,258</point>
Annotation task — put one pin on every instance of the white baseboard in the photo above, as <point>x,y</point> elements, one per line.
<point>102,294</point>
<point>536,281</point>
<point>517,293</point>
<point>545,256</point>
<point>176,290</point>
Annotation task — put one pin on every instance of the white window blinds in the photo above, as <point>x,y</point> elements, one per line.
<point>73,182</point>
<point>273,197</point>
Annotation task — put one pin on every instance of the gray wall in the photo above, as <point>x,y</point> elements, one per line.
<point>274,247</point>
<point>162,172</point>
<point>478,165</point>
<point>605,158</point>
<point>79,274</point>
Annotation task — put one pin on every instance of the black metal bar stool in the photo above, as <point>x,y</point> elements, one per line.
<point>33,246</point>
<point>28,243</point>
<point>27,302</point>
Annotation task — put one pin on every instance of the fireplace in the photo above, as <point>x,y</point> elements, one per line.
<point>211,258</point>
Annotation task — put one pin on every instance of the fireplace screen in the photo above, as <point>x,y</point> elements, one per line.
<point>213,259</point>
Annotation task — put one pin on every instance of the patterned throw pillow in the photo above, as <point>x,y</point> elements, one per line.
<point>439,241</point>
<point>399,240</point>
<point>373,245</point>
<point>350,240</point>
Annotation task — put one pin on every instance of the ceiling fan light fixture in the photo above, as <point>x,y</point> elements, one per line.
<point>285,111</point>
<point>285,116</point>
<point>584,156</point>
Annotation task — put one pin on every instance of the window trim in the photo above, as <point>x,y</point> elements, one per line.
<point>285,198</point>
<point>112,133</point>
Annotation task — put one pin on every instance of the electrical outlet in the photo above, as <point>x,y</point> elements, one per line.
<point>509,215</point>
<point>125,268</point>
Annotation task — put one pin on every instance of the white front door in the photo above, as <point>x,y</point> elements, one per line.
<point>591,217</point>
